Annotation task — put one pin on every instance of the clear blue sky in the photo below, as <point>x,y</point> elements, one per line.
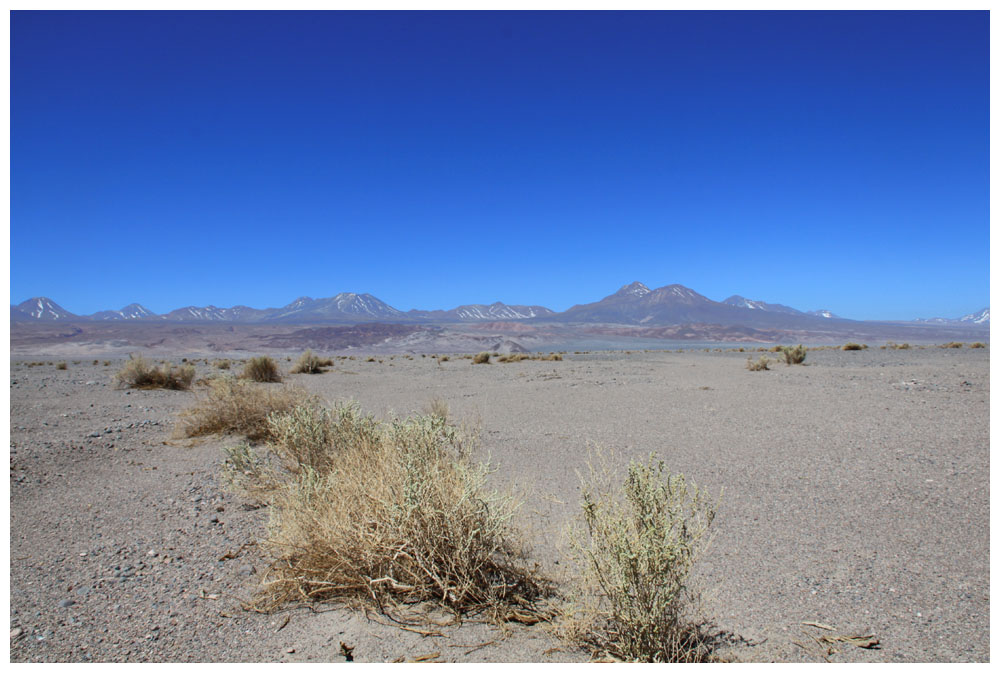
<point>821,160</point>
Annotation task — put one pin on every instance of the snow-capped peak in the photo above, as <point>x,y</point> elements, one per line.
<point>978,318</point>
<point>636,289</point>
<point>743,302</point>
<point>43,308</point>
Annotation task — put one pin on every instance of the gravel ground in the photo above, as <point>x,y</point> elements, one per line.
<point>856,495</point>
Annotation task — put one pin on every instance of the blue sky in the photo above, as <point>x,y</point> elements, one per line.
<point>832,160</point>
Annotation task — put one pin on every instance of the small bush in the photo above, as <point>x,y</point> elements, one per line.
<point>481,359</point>
<point>952,344</point>
<point>794,355</point>
<point>61,365</point>
<point>261,369</point>
<point>851,347</point>
<point>310,363</point>
<point>978,344</point>
<point>634,552</point>
<point>222,364</point>
<point>438,408</point>
<point>759,366</point>
<point>389,513</point>
<point>234,406</point>
<point>139,373</point>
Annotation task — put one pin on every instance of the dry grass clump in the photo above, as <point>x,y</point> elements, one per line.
<point>222,364</point>
<point>978,344</point>
<point>261,369</point>
<point>234,406</point>
<point>61,365</point>
<point>140,373</point>
<point>794,355</point>
<point>481,359</point>
<point>635,551</point>
<point>952,344</point>
<point>852,347</point>
<point>520,357</point>
<point>389,513</point>
<point>438,408</point>
<point>310,363</point>
<point>760,366</point>
<point>892,345</point>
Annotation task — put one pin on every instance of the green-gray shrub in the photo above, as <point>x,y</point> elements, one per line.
<point>636,549</point>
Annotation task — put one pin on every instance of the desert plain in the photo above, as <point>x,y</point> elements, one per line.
<point>854,494</point>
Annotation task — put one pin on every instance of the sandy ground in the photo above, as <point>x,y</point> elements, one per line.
<point>856,494</point>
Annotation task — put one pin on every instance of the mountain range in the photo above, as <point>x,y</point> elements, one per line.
<point>633,304</point>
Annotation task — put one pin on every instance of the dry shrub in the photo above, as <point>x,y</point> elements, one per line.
<point>481,359</point>
<point>794,355</point>
<point>389,513</point>
<point>520,357</point>
<point>760,366</point>
<point>234,406</point>
<point>851,347</point>
<point>222,364</point>
<point>140,373</point>
<point>61,365</point>
<point>438,408</point>
<point>261,369</point>
<point>310,363</point>
<point>978,344</point>
<point>634,552</point>
<point>952,344</point>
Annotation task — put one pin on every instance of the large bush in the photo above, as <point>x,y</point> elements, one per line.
<point>388,513</point>
<point>234,406</point>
